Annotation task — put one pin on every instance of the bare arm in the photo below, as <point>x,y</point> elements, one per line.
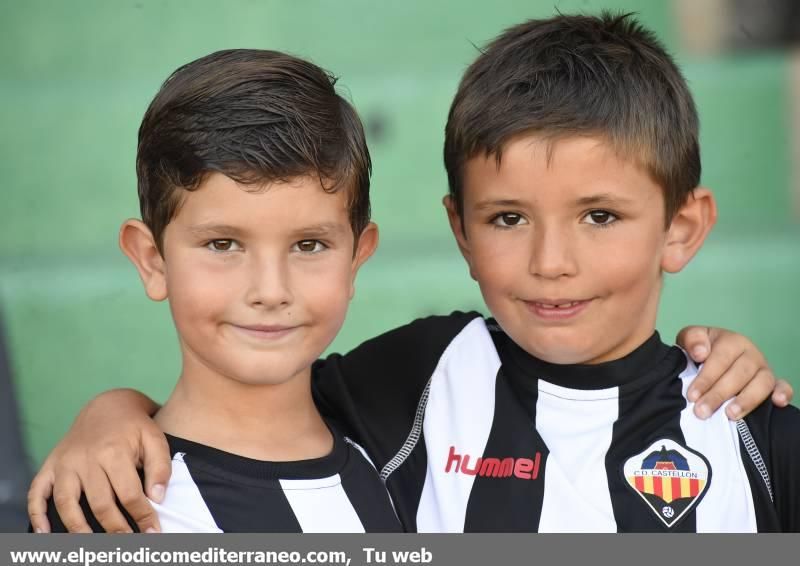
<point>108,441</point>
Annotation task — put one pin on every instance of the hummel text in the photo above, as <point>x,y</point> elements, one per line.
<point>523,468</point>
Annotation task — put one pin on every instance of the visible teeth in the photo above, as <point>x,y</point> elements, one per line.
<point>561,306</point>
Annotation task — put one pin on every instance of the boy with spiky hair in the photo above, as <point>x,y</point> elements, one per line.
<point>573,161</point>
<point>253,178</point>
<point>574,167</point>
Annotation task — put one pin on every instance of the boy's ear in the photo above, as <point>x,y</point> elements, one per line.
<point>365,247</point>
<point>457,227</point>
<point>688,230</point>
<point>136,241</point>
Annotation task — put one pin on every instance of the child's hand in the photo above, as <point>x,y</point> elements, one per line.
<point>110,438</point>
<point>733,366</point>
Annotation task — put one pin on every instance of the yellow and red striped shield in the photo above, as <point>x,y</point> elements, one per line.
<point>671,478</point>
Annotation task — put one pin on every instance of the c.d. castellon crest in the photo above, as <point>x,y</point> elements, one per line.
<point>669,477</point>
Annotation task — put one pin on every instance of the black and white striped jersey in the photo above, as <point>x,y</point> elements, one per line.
<point>215,491</point>
<point>471,433</point>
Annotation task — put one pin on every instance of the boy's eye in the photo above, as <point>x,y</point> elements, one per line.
<point>508,219</point>
<point>310,246</point>
<point>600,218</point>
<point>222,245</point>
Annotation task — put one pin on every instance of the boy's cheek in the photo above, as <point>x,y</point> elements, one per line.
<point>329,302</point>
<point>201,288</point>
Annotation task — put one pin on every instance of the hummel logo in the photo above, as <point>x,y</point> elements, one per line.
<point>522,468</point>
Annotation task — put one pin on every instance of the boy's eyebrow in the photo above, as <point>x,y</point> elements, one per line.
<point>492,203</point>
<point>321,229</point>
<point>602,199</point>
<point>215,230</point>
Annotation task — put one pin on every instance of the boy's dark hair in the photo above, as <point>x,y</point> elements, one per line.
<point>256,116</point>
<point>578,75</point>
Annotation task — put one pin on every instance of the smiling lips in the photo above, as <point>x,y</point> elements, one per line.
<point>556,310</point>
<point>264,332</point>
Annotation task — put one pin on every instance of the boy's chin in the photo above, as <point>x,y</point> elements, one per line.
<point>563,350</point>
<point>562,357</point>
<point>266,374</point>
<point>579,354</point>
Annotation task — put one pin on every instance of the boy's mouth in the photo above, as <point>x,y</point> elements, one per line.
<point>264,332</point>
<point>556,309</point>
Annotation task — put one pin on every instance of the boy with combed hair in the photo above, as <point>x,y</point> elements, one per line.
<point>253,177</point>
<point>573,162</point>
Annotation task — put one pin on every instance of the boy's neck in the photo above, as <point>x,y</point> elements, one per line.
<point>263,422</point>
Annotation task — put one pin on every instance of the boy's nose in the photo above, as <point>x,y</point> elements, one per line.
<point>269,285</point>
<point>551,255</point>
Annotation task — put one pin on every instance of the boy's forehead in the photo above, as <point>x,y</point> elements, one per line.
<point>302,199</point>
<point>222,189</point>
<point>582,164</point>
<point>544,148</point>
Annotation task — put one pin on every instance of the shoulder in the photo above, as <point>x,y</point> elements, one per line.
<point>778,426</point>
<point>403,359</point>
<point>429,334</point>
<point>771,435</point>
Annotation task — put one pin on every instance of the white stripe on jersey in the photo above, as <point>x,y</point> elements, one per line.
<point>459,413</point>
<point>183,509</point>
<point>728,504</point>
<point>578,435</point>
<point>321,505</point>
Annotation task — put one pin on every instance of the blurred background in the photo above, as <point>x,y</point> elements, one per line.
<point>77,76</point>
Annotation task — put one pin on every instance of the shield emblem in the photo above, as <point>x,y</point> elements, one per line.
<point>669,477</point>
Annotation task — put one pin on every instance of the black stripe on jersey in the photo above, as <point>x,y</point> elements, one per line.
<point>361,483</point>
<point>406,483</point>
<point>784,463</point>
<point>777,435</point>
<point>766,516</point>
<point>661,396</point>
<point>510,503</point>
<point>262,507</point>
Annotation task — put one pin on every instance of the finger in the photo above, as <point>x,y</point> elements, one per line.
<point>725,352</point>
<point>101,500</point>
<point>783,393</point>
<point>127,485</point>
<point>40,491</point>
<point>696,340</point>
<point>731,381</point>
<point>157,465</point>
<point>752,396</point>
<point>66,496</point>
